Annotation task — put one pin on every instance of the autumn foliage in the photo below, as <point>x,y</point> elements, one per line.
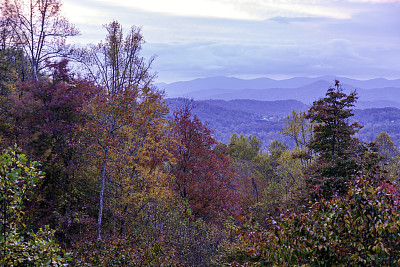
<point>201,177</point>
<point>95,163</point>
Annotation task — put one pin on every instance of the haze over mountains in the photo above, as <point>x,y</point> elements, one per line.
<point>374,93</point>
<point>260,106</point>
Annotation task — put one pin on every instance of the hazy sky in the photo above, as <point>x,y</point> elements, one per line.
<point>254,38</point>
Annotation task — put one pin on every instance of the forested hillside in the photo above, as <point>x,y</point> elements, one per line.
<point>97,168</point>
<point>266,119</point>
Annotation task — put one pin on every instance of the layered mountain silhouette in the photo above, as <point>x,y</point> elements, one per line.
<point>373,93</point>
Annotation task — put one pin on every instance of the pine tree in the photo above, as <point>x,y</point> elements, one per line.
<point>339,155</point>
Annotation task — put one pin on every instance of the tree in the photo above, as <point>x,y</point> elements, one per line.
<point>117,63</point>
<point>245,160</point>
<point>290,173</point>
<point>300,131</point>
<point>127,119</point>
<point>8,82</point>
<point>201,177</point>
<point>244,147</point>
<point>44,118</point>
<point>38,28</point>
<point>332,132</point>
<point>276,148</point>
<point>338,153</point>
<point>386,148</point>
<point>389,155</point>
<point>221,149</point>
<point>141,181</point>
<point>52,107</point>
<point>126,133</point>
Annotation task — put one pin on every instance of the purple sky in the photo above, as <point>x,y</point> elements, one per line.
<point>254,38</point>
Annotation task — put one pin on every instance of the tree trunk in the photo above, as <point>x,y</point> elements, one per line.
<point>255,190</point>
<point>122,229</point>
<point>103,178</point>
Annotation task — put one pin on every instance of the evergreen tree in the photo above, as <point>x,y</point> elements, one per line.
<point>339,155</point>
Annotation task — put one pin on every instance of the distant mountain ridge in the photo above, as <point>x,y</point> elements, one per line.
<point>372,93</point>
<point>265,119</point>
<point>276,108</point>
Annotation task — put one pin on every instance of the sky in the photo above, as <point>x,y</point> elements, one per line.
<point>253,38</point>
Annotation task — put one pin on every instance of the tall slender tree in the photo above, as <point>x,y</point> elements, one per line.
<point>127,114</point>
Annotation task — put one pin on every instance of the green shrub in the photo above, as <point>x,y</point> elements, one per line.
<point>19,245</point>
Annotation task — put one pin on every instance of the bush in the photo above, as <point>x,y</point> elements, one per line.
<point>19,245</point>
<point>360,228</point>
<point>119,251</point>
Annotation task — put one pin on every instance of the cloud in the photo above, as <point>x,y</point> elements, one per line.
<point>376,1</point>
<point>280,37</point>
<point>256,10</point>
<point>332,57</point>
<point>293,8</point>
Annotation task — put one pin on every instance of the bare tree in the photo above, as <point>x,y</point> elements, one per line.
<point>37,27</point>
<point>116,63</point>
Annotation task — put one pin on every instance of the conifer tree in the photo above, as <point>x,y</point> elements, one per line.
<point>339,154</point>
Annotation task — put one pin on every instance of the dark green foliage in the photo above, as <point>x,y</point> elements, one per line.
<point>339,156</point>
<point>14,65</point>
<point>276,148</point>
<point>221,149</point>
<point>333,132</point>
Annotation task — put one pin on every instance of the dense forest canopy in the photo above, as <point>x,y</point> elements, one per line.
<point>98,168</point>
